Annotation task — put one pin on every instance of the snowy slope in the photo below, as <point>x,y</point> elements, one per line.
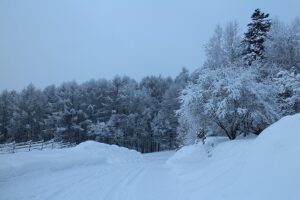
<point>267,167</point>
<point>272,168</point>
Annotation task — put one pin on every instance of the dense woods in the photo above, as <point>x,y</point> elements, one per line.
<point>247,82</point>
<point>119,111</point>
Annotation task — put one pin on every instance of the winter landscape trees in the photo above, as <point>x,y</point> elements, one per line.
<point>119,111</point>
<point>247,82</point>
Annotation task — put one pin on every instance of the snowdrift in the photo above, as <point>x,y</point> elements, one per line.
<point>197,153</point>
<point>272,169</point>
<point>84,154</point>
<point>266,167</point>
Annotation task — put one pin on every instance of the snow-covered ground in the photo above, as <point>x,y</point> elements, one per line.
<point>266,167</point>
<point>89,171</point>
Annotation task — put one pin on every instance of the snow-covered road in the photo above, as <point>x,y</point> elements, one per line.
<point>148,180</point>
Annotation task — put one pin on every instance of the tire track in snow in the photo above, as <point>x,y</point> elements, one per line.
<point>120,189</point>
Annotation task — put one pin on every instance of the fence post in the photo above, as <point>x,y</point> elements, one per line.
<point>29,145</point>
<point>14,146</point>
<point>42,145</point>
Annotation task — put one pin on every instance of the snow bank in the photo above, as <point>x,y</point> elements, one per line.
<point>272,170</point>
<point>205,165</point>
<point>84,154</point>
<point>112,154</point>
<point>196,153</point>
<point>266,167</point>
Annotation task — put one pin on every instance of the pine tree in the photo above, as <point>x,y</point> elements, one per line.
<point>256,36</point>
<point>7,104</point>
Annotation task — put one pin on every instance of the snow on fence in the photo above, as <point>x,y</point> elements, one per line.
<point>33,146</point>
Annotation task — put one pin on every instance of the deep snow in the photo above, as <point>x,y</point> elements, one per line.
<point>85,154</point>
<point>266,167</point>
<point>90,170</point>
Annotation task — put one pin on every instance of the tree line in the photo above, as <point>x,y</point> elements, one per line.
<point>122,111</point>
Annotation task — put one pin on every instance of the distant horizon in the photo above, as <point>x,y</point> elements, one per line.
<point>48,43</point>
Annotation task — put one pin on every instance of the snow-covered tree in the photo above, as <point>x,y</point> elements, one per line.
<point>7,107</point>
<point>26,114</point>
<point>214,49</point>
<point>288,83</point>
<point>283,44</point>
<point>255,37</point>
<point>224,47</point>
<point>231,42</point>
<point>228,102</point>
<point>98,131</point>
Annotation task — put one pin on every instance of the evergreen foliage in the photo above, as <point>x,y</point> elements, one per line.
<point>256,36</point>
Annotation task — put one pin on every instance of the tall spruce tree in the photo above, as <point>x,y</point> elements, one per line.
<point>255,37</point>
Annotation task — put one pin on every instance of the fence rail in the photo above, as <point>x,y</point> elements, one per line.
<point>14,147</point>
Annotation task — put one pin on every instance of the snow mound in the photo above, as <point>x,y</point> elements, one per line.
<point>196,153</point>
<point>265,167</point>
<point>212,163</point>
<point>273,165</point>
<point>84,154</point>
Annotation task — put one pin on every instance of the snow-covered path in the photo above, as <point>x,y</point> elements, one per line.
<point>148,180</point>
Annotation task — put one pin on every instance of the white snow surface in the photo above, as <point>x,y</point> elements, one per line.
<point>266,167</point>
<point>272,167</point>
<point>84,154</point>
<point>263,167</point>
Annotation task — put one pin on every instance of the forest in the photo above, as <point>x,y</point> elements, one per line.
<point>248,81</point>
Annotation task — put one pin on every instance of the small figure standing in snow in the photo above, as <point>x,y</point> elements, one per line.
<point>201,136</point>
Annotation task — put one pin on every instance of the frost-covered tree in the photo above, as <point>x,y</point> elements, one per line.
<point>73,120</point>
<point>124,91</point>
<point>231,42</point>
<point>7,107</point>
<point>97,129</point>
<point>283,44</point>
<point>224,47</point>
<point>52,115</point>
<point>255,37</point>
<point>167,118</point>
<point>29,114</point>
<point>288,83</point>
<point>214,49</point>
<point>227,102</point>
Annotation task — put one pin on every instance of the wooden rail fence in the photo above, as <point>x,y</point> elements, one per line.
<point>14,147</point>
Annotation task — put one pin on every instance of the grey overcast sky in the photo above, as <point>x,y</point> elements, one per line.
<point>51,41</point>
